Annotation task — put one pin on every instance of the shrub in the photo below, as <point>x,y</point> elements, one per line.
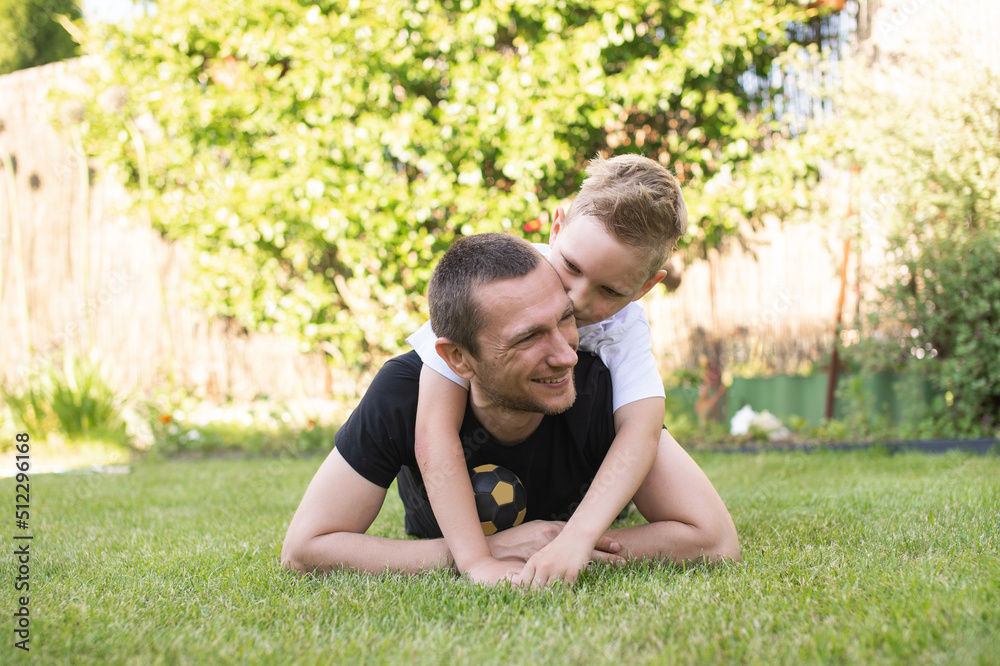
<point>922,128</point>
<point>190,427</point>
<point>31,34</point>
<point>73,398</point>
<point>318,157</point>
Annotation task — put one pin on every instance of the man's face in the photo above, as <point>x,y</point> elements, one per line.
<point>527,349</point>
<point>600,274</point>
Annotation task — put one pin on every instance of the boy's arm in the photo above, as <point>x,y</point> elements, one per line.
<point>440,411</point>
<point>637,435</point>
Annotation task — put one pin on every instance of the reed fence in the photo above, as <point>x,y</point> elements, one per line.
<point>79,276</point>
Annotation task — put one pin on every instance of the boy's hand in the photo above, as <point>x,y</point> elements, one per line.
<point>490,571</point>
<point>563,559</point>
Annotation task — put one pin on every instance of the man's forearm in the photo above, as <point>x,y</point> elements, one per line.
<point>676,542</point>
<point>367,553</point>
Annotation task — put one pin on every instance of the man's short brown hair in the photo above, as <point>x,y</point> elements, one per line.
<point>639,202</point>
<point>469,264</point>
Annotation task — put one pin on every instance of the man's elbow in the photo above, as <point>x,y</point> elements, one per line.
<point>293,555</point>
<point>722,544</point>
<point>292,565</point>
<point>726,552</point>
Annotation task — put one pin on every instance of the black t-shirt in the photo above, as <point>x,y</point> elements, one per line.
<point>556,463</point>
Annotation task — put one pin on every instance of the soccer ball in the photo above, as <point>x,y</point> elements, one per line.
<point>501,499</point>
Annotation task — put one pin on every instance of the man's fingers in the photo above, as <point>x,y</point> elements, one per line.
<point>599,556</point>
<point>607,544</point>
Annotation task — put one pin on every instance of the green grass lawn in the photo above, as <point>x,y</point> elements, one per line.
<point>847,557</point>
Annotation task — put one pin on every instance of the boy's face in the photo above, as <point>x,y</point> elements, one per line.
<point>600,274</point>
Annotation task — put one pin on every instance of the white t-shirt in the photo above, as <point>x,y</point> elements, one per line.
<point>622,342</point>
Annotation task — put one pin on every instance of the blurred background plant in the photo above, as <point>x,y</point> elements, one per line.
<point>932,152</point>
<point>32,35</point>
<point>71,396</point>
<point>72,411</point>
<point>316,158</point>
<point>186,425</point>
<point>916,128</point>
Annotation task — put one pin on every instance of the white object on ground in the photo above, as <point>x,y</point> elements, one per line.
<point>746,420</point>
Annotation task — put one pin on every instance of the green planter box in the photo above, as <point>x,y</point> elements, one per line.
<point>783,396</point>
<point>885,393</point>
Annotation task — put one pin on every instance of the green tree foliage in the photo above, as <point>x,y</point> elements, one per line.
<point>942,166</point>
<point>924,137</point>
<point>317,158</point>
<point>31,35</point>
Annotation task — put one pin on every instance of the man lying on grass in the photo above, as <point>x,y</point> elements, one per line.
<point>528,411</point>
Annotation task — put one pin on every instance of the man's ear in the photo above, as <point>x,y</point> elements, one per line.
<point>457,358</point>
<point>652,282</point>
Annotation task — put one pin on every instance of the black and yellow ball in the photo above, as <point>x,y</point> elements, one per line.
<point>501,499</point>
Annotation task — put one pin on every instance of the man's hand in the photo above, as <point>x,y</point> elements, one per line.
<point>524,541</point>
<point>490,571</point>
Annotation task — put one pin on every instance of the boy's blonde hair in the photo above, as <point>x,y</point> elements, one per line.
<point>639,202</point>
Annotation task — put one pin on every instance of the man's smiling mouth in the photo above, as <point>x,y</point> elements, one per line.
<point>555,380</point>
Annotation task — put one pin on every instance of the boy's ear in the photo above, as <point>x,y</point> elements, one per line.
<point>557,223</point>
<point>457,358</point>
<point>652,282</point>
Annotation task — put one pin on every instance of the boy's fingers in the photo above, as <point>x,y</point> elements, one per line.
<point>607,544</point>
<point>539,583</point>
<point>527,575</point>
